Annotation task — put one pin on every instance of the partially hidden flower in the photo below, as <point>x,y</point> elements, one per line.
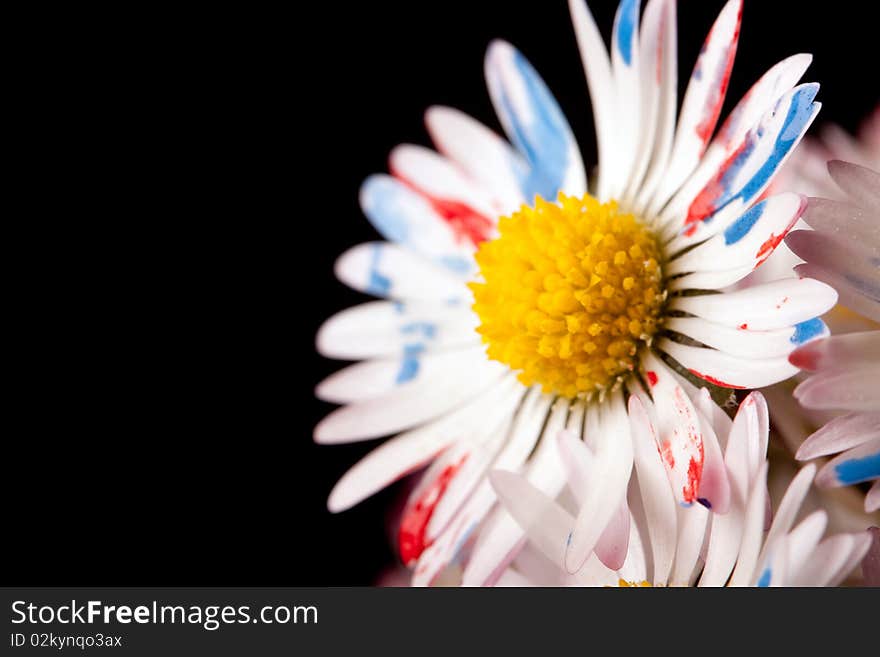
<point>655,542</point>
<point>498,333</point>
<point>843,249</point>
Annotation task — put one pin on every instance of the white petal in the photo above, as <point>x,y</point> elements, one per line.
<point>625,55</point>
<point>872,499</point>
<point>544,521</point>
<point>402,454</point>
<point>602,93</point>
<point>383,328</point>
<point>827,560</point>
<point>656,491</point>
<point>851,295</point>
<point>374,378</point>
<point>788,509</point>
<point>482,154</point>
<point>405,406</point>
<point>802,542</point>
<point>614,458</point>
<point>728,371</point>
<point>744,573</point>
<point>769,306</point>
<point>714,490</point>
<point>384,269</point>
<point>745,343</point>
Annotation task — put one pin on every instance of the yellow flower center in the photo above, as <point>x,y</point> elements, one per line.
<point>624,584</point>
<point>569,291</point>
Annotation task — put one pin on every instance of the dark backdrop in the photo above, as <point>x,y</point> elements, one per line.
<point>180,452</point>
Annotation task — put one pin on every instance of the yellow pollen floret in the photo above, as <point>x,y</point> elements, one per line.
<point>568,292</point>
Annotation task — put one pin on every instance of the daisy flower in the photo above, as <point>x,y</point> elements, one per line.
<point>521,301</point>
<point>659,543</point>
<point>843,249</point>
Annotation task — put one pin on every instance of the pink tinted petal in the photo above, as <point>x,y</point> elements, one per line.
<point>871,562</point>
<point>841,433</point>
<point>862,184</point>
<point>854,389</point>
<point>838,351</point>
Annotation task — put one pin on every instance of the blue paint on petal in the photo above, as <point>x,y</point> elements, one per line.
<point>427,329</point>
<point>627,15</point>
<point>544,139</point>
<point>867,287</point>
<point>377,284</point>
<point>799,114</point>
<point>383,208</point>
<point>808,330</point>
<point>706,503</point>
<point>765,578</point>
<point>409,368</point>
<point>457,264</point>
<point>741,227</point>
<point>855,471</point>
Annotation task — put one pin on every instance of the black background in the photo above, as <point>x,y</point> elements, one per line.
<point>162,401</point>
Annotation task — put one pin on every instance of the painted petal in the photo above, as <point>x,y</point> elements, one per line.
<point>407,452</point>
<point>748,241</point>
<point>854,389</point>
<point>614,459</point>
<point>839,351</point>
<point>745,343</point>
<point>388,270</point>
<point>728,371</point>
<point>750,168</point>
<point>613,544</point>
<point>851,295</point>
<point>403,216</point>
<point>535,124</point>
<point>858,264</point>
<point>765,93</point>
<point>871,562</point>
<point>383,328</point>
<point>862,184</point>
<point>753,530</point>
<point>854,466</point>
<point>840,434</point>
<point>602,93</point>
<point>842,219</point>
<point>656,491</point>
<point>546,523</point>
<point>763,307</point>
<point>435,177</point>
<point>403,407</point>
<point>374,378</point>
<point>714,490</point>
<point>678,431</point>
<point>702,102</point>
<point>481,154</point>
<point>788,509</point>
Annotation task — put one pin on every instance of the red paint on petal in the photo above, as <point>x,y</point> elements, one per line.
<point>717,382</point>
<point>652,378</point>
<point>411,535</point>
<point>666,453</point>
<point>743,327</point>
